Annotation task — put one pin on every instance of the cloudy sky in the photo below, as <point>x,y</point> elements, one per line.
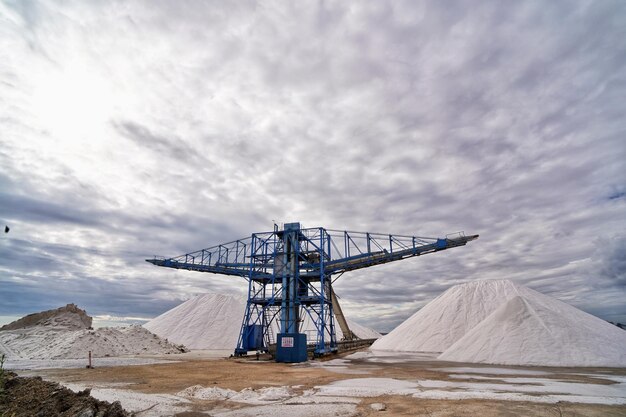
<point>135,128</point>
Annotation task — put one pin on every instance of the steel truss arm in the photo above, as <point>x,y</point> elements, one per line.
<point>359,250</point>
<point>345,251</point>
<point>232,258</point>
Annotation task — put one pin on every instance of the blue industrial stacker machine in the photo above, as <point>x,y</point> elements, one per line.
<point>289,280</point>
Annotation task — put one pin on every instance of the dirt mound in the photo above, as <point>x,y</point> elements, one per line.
<point>24,397</point>
<point>69,317</point>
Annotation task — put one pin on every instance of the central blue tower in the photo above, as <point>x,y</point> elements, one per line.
<point>291,344</point>
<point>288,285</point>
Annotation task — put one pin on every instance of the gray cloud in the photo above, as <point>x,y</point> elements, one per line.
<point>130,130</point>
<point>147,140</point>
<point>610,262</point>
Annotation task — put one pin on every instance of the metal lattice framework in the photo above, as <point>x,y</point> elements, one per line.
<point>289,275</point>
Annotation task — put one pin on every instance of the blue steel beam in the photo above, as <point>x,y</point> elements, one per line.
<point>222,259</point>
<point>368,259</point>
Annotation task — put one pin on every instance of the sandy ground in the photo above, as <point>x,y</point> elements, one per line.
<point>349,385</point>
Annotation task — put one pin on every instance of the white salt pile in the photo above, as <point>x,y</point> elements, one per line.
<point>213,321</point>
<point>500,322</point>
<point>541,331</point>
<point>443,321</point>
<point>207,321</point>
<point>65,333</point>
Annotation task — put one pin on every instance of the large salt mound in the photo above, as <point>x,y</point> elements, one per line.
<point>539,330</point>
<point>499,322</point>
<point>213,321</point>
<point>207,321</point>
<point>443,321</point>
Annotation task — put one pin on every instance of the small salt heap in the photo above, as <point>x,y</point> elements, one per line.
<point>66,333</point>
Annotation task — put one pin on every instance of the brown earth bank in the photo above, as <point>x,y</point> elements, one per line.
<point>237,374</point>
<point>34,397</point>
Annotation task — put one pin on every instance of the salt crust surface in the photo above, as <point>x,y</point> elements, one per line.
<point>386,356</point>
<point>343,396</point>
<point>340,366</point>
<point>213,321</point>
<point>339,409</point>
<point>490,371</point>
<point>368,387</point>
<point>539,390</point>
<point>33,364</point>
<point>499,322</point>
<point>273,401</point>
<point>145,405</point>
